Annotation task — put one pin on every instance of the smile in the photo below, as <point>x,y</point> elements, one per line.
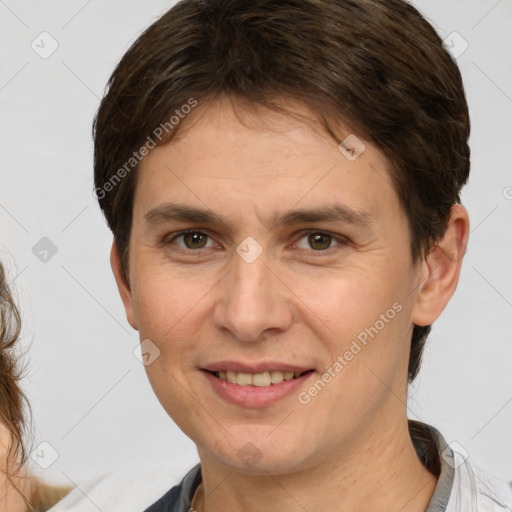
<point>261,389</point>
<point>263,379</point>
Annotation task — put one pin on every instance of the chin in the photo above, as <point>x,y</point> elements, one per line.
<point>256,452</point>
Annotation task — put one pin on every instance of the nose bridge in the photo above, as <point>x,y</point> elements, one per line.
<point>252,301</point>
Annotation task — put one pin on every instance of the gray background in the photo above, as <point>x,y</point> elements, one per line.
<point>90,397</point>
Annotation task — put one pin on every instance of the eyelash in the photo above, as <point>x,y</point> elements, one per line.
<point>342,241</point>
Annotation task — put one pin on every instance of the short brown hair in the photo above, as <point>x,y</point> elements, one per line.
<point>376,65</point>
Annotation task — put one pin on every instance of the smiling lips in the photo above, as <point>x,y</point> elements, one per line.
<point>259,384</point>
<point>262,379</point>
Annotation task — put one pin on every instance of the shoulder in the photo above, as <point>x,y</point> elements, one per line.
<point>127,490</point>
<point>478,489</point>
<point>466,486</point>
<point>492,489</point>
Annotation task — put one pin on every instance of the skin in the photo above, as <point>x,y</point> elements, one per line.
<point>18,487</point>
<point>18,484</point>
<point>295,303</point>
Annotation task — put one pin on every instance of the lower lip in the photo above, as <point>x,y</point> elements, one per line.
<point>254,396</point>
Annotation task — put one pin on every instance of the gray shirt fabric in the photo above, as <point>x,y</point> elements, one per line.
<point>178,499</point>
<point>439,500</point>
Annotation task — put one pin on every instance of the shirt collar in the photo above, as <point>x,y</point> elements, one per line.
<point>431,448</point>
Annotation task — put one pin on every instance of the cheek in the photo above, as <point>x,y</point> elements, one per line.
<point>160,300</point>
<point>363,317</point>
<point>347,300</point>
<point>168,310</point>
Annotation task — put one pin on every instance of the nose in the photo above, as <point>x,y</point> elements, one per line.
<point>253,301</point>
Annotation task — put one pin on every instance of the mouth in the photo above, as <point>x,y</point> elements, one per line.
<point>261,379</point>
<point>256,385</point>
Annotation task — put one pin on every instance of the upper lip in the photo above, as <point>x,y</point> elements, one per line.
<point>260,367</point>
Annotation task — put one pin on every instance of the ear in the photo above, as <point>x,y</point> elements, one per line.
<point>441,269</point>
<point>123,286</point>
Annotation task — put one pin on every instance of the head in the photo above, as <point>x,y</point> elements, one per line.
<point>250,110</point>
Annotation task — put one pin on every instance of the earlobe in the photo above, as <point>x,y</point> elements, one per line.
<point>441,269</point>
<point>123,286</point>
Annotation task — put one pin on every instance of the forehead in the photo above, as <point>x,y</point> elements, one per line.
<point>231,161</point>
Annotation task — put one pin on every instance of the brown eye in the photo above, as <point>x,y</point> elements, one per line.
<point>191,240</point>
<point>194,240</point>
<point>319,241</point>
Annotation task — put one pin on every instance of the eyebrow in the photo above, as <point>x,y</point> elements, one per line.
<point>168,212</point>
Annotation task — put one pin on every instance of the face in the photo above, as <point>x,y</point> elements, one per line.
<point>296,261</point>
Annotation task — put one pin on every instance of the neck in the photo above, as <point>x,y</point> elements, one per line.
<point>380,470</point>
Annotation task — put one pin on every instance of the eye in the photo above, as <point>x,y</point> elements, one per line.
<point>320,241</point>
<point>192,239</point>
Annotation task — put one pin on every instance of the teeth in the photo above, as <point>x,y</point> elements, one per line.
<point>243,379</point>
<point>257,379</point>
<point>276,377</point>
<point>261,379</point>
<point>230,377</point>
